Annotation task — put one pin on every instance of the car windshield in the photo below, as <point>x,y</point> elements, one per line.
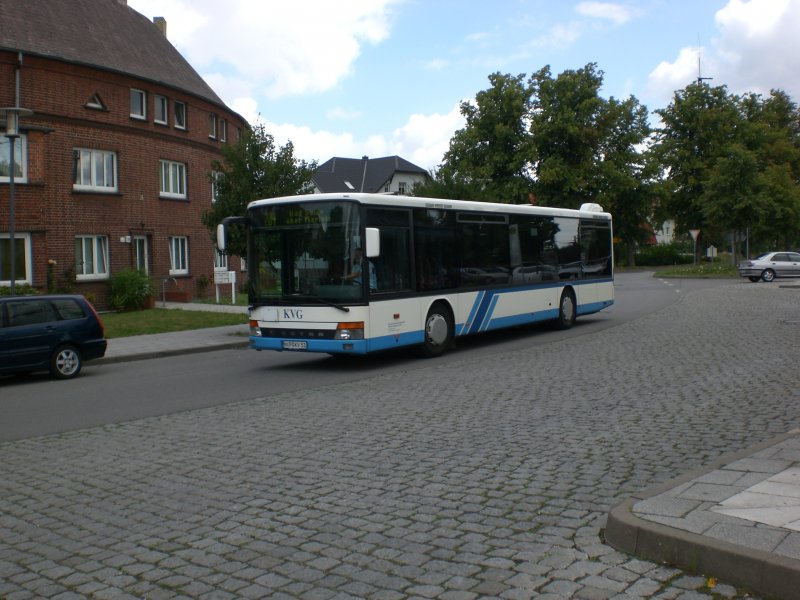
<point>306,252</point>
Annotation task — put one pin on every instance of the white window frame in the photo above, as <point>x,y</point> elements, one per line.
<point>97,268</point>
<point>141,253</point>
<point>19,278</point>
<point>215,177</point>
<point>223,130</point>
<point>99,178</point>
<point>20,158</point>
<point>212,126</point>
<point>142,116</point>
<point>161,109</point>
<point>220,261</point>
<point>180,123</point>
<point>178,255</point>
<point>172,179</point>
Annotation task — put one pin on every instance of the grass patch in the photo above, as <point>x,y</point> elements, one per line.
<point>163,320</point>
<point>706,270</point>
<point>241,300</point>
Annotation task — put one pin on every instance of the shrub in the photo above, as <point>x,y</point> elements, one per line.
<point>20,290</point>
<point>130,290</point>
<point>662,254</point>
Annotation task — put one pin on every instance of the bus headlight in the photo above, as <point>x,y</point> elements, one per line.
<point>255,330</point>
<point>349,331</point>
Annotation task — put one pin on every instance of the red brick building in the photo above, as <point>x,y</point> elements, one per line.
<point>113,168</point>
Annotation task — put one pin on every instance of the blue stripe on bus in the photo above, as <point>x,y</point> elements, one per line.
<point>488,318</point>
<point>482,303</point>
<point>473,310</point>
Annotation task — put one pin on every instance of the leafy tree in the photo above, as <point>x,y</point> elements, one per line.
<point>733,163</point>
<point>253,168</point>
<point>773,137</point>
<point>699,128</point>
<point>626,177</point>
<point>566,125</point>
<point>488,158</point>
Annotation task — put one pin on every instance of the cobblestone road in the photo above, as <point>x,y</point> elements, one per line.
<point>487,477</point>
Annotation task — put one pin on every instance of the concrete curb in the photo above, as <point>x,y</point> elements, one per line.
<point>761,572</point>
<point>107,360</point>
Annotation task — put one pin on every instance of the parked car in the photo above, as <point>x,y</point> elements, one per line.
<point>771,265</point>
<point>53,333</point>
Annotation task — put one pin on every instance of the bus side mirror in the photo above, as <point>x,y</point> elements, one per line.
<point>373,242</point>
<point>221,237</point>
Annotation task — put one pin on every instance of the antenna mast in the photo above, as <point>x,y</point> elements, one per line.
<point>700,78</point>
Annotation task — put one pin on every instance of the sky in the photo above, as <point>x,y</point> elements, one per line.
<point>351,78</point>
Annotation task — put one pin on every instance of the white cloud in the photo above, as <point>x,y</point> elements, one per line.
<point>616,13</point>
<point>278,48</point>
<point>423,140</point>
<point>340,114</point>
<point>757,49</point>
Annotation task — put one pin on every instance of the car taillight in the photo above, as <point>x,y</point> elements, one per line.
<point>99,320</point>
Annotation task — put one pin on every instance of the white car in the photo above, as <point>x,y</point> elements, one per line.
<point>771,265</point>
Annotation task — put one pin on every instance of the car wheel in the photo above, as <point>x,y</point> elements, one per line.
<point>768,275</point>
<point>438,331</point>
<point>754,279</point>
<point>66,362</point>
<point>566,310</point>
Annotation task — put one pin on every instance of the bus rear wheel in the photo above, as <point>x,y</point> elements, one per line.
<point>566,310</point>
<point>438,331</point>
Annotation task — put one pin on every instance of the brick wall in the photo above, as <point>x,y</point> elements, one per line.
<point>53,213</point>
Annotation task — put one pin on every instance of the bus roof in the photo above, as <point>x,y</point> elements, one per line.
<point>386,200</point>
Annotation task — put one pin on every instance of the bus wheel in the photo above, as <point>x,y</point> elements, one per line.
<point>438,331</point>
<point>566,310</point>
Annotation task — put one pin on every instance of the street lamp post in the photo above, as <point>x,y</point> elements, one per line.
<point>13,113</point>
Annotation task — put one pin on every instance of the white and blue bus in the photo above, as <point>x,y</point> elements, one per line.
<point>433,270</point>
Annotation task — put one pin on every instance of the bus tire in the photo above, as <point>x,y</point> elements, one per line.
<point>438,331</point>
<point>566,309</point>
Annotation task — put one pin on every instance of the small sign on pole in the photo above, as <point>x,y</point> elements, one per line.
<point>225,278</point>
<point>695,233</point>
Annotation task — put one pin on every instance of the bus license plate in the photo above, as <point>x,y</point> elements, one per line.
<point>293,345</point>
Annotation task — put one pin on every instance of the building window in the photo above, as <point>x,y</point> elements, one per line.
<point>212,126</point>
<point>220,261</point>
<point>91,257</point>
<point>141,254</point>
<point>22,258</point>
<point>401,188</point>
<point>161,108</point>
<point>223,130</point>
<point>95,170</point>
<point>180,115</point>
<point>20,159</point>
<point>215,179</point>
<point>172,178</point>
<point>138,104</point>
<point>179,255</point>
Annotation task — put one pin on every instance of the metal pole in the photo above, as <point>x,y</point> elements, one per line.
<point>12,252</point>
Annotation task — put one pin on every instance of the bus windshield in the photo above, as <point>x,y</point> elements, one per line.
<point>306,252</point>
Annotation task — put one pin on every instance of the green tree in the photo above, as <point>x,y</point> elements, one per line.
<point>626,177</point>
<point>773,136</point>
<point>698,128</point>
<point>253,168</point>
<point>566,125</point>
<point>488,158</point>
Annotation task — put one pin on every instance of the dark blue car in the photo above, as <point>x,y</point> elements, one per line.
<point>53,333</point>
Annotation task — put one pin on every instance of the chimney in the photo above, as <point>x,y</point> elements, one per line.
<point>161,23</point>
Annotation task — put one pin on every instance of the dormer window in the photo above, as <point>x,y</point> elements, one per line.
<point>161,108</point>
<point>96,103</point>
<point>138,104</point>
